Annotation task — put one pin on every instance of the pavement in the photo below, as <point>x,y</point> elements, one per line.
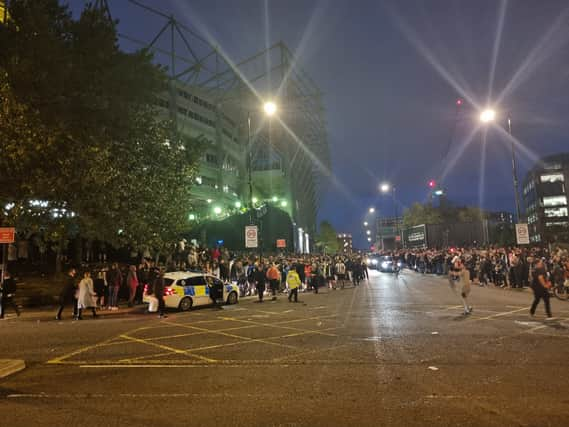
<point>391,352</point>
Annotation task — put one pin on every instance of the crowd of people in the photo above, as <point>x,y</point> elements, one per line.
<point>537,267</point>
<point>99,287</point>
<point>499,266</point>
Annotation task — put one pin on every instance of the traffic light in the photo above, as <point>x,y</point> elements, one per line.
<point>432,183</point>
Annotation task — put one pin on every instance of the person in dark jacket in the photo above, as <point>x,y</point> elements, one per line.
<point>260,279</point>
<point>67,295</point>
<point>158,291</point>
<point>7,293</point>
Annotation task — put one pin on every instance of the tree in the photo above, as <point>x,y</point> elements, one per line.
<point>470,214</point>
<point>422,214</point>
<point>80,132</point>
<point>327,238</point>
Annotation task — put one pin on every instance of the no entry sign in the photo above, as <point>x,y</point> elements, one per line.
<point>7,234</point>
<point>251,236</point>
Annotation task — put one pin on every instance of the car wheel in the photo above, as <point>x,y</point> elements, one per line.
<point>232,298</point>
<point>186,304</point>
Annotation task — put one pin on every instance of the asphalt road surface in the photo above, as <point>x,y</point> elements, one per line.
<point>391,352</point>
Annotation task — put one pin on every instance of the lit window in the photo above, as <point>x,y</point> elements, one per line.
<point>555,212</point>
<point>552,177</point>
<point>555,201</point>
<point>557,224</point>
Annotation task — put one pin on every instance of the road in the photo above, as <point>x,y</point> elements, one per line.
<point>391,352</point>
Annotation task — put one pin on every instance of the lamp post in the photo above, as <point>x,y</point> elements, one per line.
<point>269,108</point>
<point>488,116</point>
<point>386,188</point>
<point>370,216</point>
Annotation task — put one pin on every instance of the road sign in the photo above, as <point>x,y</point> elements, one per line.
<point>7,234</point>
<point>251,236</point>
<point>281,243</point>
<point>522,234</point>
<point>398,238</point>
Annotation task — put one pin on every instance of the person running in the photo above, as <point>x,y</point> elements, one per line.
<point>540,287</point>
<point>293,281</point>
<point>461,276</point>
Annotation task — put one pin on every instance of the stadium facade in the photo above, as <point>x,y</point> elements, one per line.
<point>219,101</point>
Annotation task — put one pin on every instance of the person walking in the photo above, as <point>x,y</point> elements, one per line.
<point>540,287</point>
<point>273,275</point>
<point>340,270</point>
<point>132,284</point>
<point>87,296</point>
<point>158,291</point>
<point>7,294</point>
<point>260,280</point>
<point>67,295</point>
<point>293,281</point>
<point>461,276</point>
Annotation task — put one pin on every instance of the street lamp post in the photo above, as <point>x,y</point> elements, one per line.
<point>488,116</point>
<point>269,108</point>
<point>388,188</point>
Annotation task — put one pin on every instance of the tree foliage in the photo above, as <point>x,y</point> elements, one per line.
<point>428,214</point>
<point>327,238</point>
<point>422,214</point>
<point>80,131</point>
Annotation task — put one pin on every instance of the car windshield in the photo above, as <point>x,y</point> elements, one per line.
<point>387,259</point>
<point>168,282</point>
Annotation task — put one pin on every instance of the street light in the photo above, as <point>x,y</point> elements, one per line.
<point>368,232</point>
<point>488,116</point>
<point>365,223</point>
<point>385,188</point>
<point>371,210</point>
<point>270,108</point>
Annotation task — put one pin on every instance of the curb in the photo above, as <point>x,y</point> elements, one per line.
<point>11,366</point>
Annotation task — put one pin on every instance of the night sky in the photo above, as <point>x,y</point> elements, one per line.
<point>391,72</point>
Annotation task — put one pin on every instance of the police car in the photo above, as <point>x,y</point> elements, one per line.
<point>184,290</point>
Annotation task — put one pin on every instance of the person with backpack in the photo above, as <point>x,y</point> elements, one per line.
<point>7,294</point>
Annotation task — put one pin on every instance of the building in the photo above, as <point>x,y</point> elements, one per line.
<point>346,243</point>
<point>389,232</point>
<point>545,199</point>
<point>220,101</point>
